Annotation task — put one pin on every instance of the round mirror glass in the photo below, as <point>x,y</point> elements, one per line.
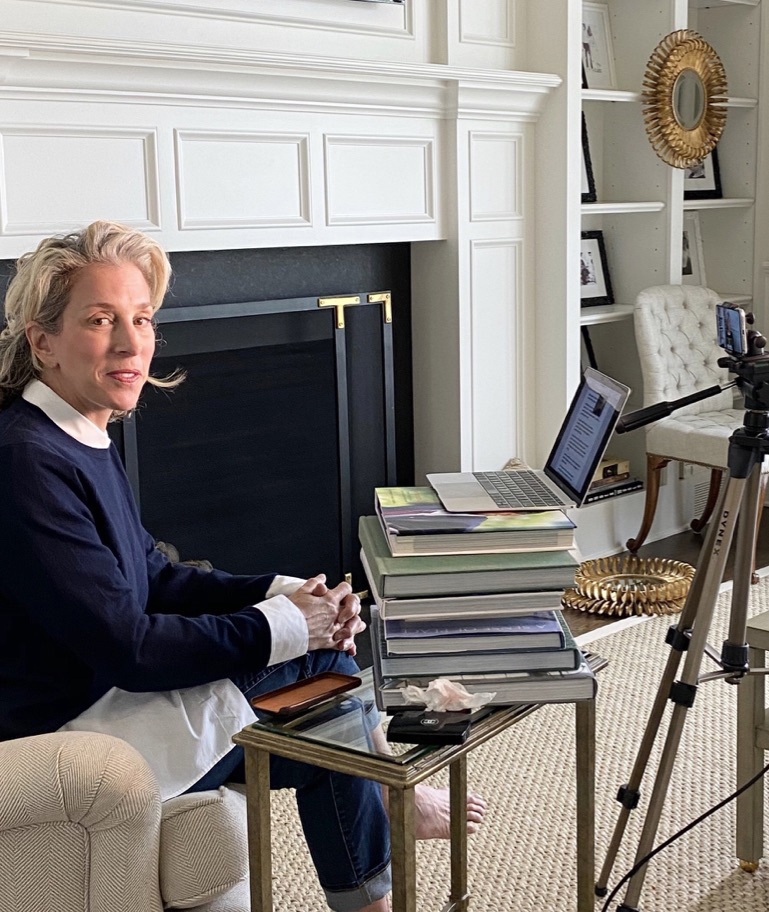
<point>688,99</point>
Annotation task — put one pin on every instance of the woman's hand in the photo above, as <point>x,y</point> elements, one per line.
<point>350,624</point>
<point>332,615</point>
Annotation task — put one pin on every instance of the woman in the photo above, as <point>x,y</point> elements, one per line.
<point>98,630</point>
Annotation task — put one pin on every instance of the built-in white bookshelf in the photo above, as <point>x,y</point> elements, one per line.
<point>641,208</point>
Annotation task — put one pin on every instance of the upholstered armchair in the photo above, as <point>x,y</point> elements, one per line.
<point>82,827</point>
<point>675,328</point>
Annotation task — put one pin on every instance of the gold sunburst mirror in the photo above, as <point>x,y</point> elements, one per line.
<point>684,98</point>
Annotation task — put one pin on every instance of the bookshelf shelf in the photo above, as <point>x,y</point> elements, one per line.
<point>730,202</point>
<point>608,313</point>
<point>617,208</point>
<point>714,4</point>
<point>610,95</point>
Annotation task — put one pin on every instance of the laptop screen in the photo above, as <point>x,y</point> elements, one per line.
<point>585,432</point>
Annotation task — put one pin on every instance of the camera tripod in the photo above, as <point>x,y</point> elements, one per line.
<point>738,512</point>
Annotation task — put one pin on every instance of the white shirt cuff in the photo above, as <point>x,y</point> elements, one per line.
<point>288,627</point>
<point>284,585</point>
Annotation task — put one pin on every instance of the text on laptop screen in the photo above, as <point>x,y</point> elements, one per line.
<point>582,441</point>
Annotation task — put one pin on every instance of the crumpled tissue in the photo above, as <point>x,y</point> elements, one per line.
<point>444,695</point>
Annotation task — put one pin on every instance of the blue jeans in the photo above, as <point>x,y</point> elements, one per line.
<point>343,817</point>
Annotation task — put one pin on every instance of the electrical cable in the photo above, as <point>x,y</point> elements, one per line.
<point>663,845</point>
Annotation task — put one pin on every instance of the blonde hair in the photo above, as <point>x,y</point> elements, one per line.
<point>40,290</point>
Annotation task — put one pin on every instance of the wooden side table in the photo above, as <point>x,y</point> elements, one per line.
<point>301,739</point>
<point>752,741</point>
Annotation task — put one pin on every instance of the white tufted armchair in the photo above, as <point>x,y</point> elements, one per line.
<point>675,328</point>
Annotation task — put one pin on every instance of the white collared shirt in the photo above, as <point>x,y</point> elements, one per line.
<point>180,733</point>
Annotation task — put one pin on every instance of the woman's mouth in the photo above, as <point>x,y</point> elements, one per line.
<point>125,376</point>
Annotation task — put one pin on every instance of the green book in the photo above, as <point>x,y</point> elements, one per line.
<point>460,574</point>
<point>415,523</point>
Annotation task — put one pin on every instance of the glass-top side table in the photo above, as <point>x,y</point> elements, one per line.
<point>334,736</point>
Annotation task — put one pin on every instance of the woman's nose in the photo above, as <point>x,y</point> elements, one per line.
<point>126,337</point>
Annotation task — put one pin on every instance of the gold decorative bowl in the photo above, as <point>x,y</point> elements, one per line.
<point>630,585</point>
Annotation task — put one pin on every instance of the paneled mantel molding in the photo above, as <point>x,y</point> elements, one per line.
<point>213,148</point>
<point>72,69</point>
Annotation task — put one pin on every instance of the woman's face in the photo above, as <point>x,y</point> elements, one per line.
<point>100,359</point>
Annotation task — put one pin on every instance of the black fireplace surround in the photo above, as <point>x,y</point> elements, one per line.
<point>244,463</point>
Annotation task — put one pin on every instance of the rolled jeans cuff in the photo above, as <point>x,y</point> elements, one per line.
<point>375,888</point>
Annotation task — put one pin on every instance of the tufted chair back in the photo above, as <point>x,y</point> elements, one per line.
<point>675,327</point>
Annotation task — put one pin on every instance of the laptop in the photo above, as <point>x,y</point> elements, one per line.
<point>564,482</point>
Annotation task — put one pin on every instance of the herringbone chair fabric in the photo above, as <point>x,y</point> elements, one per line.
<point>79,826</point>
<point>82,828</point>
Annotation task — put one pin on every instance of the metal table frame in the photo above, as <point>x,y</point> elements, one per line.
<point>401,776</point>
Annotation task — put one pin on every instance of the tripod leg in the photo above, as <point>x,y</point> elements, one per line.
<point>750,760</point>
<point>734,652</point>
<point>683,691</point>
<point>628,794</point>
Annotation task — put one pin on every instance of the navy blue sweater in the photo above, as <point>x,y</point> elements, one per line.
<point>86,600</point>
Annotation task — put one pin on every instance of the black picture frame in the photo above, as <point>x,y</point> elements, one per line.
<point>595,280</point>
<point>588,180</point>
<point>703,180</point>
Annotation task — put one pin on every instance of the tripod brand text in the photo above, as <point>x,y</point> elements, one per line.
<point>720,535</point>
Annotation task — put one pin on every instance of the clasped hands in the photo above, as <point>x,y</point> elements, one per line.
<point>332,615</point>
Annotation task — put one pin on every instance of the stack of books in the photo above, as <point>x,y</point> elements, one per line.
<point>472,597</point>
<point>612,477</point>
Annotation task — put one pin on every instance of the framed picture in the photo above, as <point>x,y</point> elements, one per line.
<point>702,180</point>
<point>595,283</point>
<point>588,181</point>
<point>692,260</point>
<point>597,51</point>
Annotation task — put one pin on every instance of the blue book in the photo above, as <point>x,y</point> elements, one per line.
<point>485,634</point>
<point>434,664</point>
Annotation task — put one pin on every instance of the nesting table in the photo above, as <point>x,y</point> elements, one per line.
<point>332,736</point>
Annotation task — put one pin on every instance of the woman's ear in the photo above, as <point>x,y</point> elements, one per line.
<point>40,345</point>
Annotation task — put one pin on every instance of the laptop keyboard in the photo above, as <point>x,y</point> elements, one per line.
<point>516,490</point>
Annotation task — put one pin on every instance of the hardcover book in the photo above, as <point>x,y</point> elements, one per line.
<point>414,522</point>
<point>522,687</point>
<point>613,490</point>
<point>523,631</point>
<point>450,664</point>
<point>494,604</point>
<point>608,481</point>
<point>461,574</point>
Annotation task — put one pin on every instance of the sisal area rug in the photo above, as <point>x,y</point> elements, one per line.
<point>523,858</point>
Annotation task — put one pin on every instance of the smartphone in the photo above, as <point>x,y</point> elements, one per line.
<point>295,698</point>
<point>732,329</point>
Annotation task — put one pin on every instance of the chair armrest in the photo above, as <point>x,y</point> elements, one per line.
<point>82,777</point>
<point>80,824</point>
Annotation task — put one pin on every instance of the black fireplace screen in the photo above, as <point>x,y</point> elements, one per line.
<point>263,459</point>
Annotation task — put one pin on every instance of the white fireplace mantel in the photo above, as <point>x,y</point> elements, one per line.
<point>215,149</point>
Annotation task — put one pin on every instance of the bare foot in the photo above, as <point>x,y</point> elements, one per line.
<point>433,820</point>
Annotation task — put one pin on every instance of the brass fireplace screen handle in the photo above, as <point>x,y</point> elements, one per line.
<point>340,302</point>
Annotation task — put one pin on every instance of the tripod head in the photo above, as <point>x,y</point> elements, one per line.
<point>751,366</point>
<point>752,370</point>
